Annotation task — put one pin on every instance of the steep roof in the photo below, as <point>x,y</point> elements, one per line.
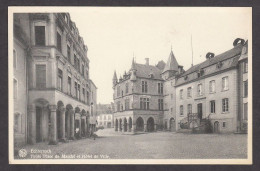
<point>144,71</point>
<point>172,64</point>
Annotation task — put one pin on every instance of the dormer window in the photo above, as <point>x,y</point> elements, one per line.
<point>151,75</point>
<point>200,72</point>
<point>186,77</point>
<point>219,64</point>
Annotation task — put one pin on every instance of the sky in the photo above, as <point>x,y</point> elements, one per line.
<point>115,35</point>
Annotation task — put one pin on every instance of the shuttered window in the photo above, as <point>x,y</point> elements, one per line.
<point>41,76</point>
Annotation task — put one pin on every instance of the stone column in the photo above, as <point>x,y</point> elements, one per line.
<point>145,127</point>
<point>62,123</point>
<point>68,124</point>
<point>53,127</point>
<point>80,127</point>
<point>71,113</point>
<point>155,127</point>
<point>32,124</point>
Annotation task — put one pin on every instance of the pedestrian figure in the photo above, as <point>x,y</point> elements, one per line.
<point>94,136</point>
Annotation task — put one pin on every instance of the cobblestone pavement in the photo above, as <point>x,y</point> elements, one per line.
<point>157,145</point>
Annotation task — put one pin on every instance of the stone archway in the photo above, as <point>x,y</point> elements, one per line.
<point>150,124</point>
<point>216,127</point>
<point>60,121</point>
<point>130,122</point>
<point>139,124</point>
<point>120,124</point>
<point>125,125</point>
<point>172,125</point>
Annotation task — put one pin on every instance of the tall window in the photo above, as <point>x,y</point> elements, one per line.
<point>181,94</point>
<point>15,88</point>
<point>83,94</point>
<point>245,67</point>
<point>225,83</point>
<point>189,93</point>
<point>39,35</point>
<point>83,69</point>
<point>69,85</point>
<point>58,41</point>
<point>127,104</point>
<point>14,59</point>
<point>144,103</point>
<point>245,111</point>
<point>144,86</point>
<point>212,86</point>
<point>126,88</point>
<point>160,104</point>
<point>76,89</point>
<point>212,106</point>
<point>200,89</point>
<point>225,105</point>
<point>87,97</point>
<point>181,110</point>
<point>60,78</point>
<point>75,61</point>
<point>160,88</point>
<point>118,106</point>
<point>118,91</point>
<point>68,53</point>
<point>189,108</point>
<point>41,76</point>
<point>87,74</point>
<point>246,88</point>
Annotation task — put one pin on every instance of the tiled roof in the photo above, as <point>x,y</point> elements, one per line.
<point>221,57</point>
<point>144,71</point>
<point>172,64</point>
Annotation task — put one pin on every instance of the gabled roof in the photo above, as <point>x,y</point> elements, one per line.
<point>172,64</point>
<point>144,71</point>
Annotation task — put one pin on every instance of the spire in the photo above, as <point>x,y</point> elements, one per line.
<point>115,79</point>
<point>172,64</point>
<point>115,76</point>
<point>133,65</point>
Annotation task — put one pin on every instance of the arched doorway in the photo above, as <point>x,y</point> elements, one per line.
<point>68,121</point>
<point>120,124</point>
<point>116,127</point>
<point>125,125</point>
<point>150,125</point>
<point>216,127</point>
<point>77,122</point>
<point>59,120</point>
<point>130,122</point>
<point>139,124</point>
<point>172,125</point>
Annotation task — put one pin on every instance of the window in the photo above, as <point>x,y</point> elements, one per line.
<point>212,106</point>
<point>245,111</point>
<point>15,84</point>
<point>144,86</point>
<point>245,67</point>
<point>160,104</point>
<point>212,86</point>
<point>160,88</point>
<point>118,106</point>
<point>41,76</point>
<point>189,108</point>
<point>225,83</point>
<point>118,91</point>
<point>83,69</point>
<point>69,85</point>
<point>76,89</point>
<point>87,74</point>
<point>189,92</point>
<point>127,104</point>
<point>58,41</point>
<point>14,59</point>
<point>75,61</point>
<point>246,88</point>
<point>126,88</point>
<point>68,53</point>
<point>87,97</point>
<point>60,79</point>
<point>224,125</point>
<point>181,94</point>
<point>83,94</point>
<point>181,110</point>
<point>39,35</point>
<point>144,103</point>
<point>200,89</point>
<point>225,105</point>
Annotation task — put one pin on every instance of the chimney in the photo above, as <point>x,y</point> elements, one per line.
<point>147,61</point>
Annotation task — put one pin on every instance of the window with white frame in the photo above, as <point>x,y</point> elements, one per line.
<point>144,87</point>
<point>181,94</point>
<point>212,106</point>
<point>225,83</point>
<point>212,86</point>
<point>225,105</point>
<point>14,59</point>
<point>181,110</point>
<point>15,88</point>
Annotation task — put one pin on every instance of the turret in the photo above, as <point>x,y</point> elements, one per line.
<point>115,79</point>
<point>133,71</point>
<point>171,67</point>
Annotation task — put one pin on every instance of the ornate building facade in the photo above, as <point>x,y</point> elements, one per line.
<point>211,94</point>
<point>61,101</point>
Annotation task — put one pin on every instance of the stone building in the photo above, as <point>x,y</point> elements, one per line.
<point>138,98</point>
<point>60,93</point>
<point>210,95</point>
<point>105,115</point>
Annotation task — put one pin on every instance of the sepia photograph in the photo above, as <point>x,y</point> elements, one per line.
<point>130,85</point>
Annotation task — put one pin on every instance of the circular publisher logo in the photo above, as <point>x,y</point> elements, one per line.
<point>22,153</point>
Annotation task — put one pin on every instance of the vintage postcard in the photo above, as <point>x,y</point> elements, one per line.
<point>130,85</point>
